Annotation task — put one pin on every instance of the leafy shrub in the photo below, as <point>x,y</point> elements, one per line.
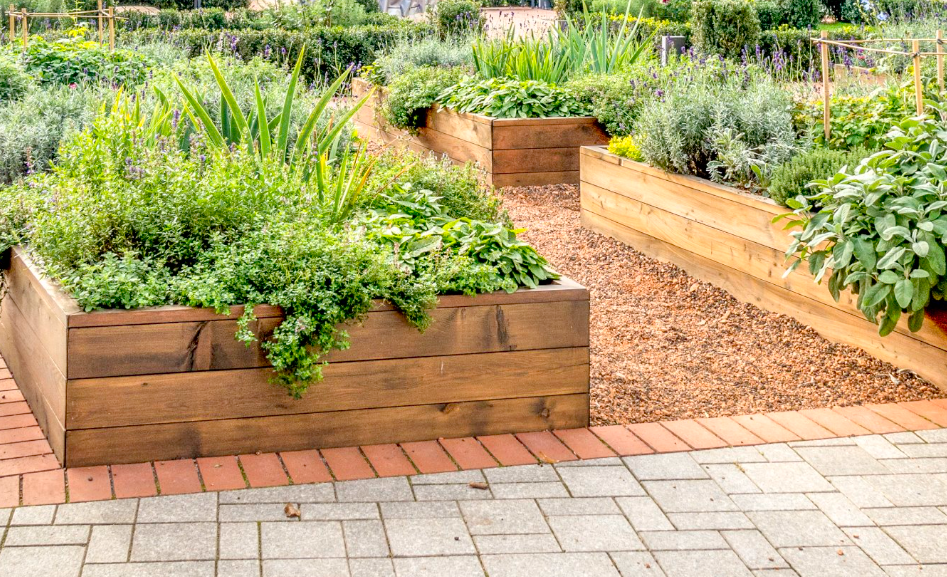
<point>791,179</point>
<point>718,128</point>
<point>430,51</point>
<point>32,127</point>
<point>617,100</point>
<point>316,13</point>
<point>880,229</point>
<point>76,61</point>
<point>171,19</point>
<point>625,146</point>
<point>331,50</point>
<point>510,98</point>
<point>640,8</point>
<point>456,17</point>
<point>724,27</point>
<point>413,93</point>
<point>13,81</point>
<point>802,13</point>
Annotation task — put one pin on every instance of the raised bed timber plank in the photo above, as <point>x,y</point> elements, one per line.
<point>512,152</point>
<point>726,237</point>
<point>172,382</point>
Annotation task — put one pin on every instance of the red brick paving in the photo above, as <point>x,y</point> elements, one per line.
<point>429,457</point>
<point>9,491</point>
<point>89,484</point>
<point>11,396</point>
<point>766,428</point>
<point>24,449</point>
<point>692,433</point>
<point>17,421</point>
<point>507,450</point>
<point>621,440</point>
<point>347,463</point>
<point>46,488</point>
<point>730,431</point>
<point>305,467</point>
<point>389,460</point>
<point>658,438</point>
<point>264,470</point>
<point>807,429</point>
<point>33,464</point>
<point>928,410</point>
<point>178,477</point>
<point>584,443</point>
<point>546,447</point>
<point>7,385</point>
<point>18,408</point>
<point>220,473</point>
<point>136,480</point>
<point>468,453</point>
<point>22,434</point>
<point>869,419</point>
<point>909,420</point>
<point>839,425</point>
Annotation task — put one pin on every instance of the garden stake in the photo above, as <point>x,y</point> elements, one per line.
<point>918,91</point>
<point>12,17</point>
<point>101,32</point>
<point>111,28</point>
<point>824,49</point>
<point>940,59</point>
<point>26,29</point>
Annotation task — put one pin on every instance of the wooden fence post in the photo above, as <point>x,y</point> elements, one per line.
<point>940,60</point>
<point>26,28</point>
<point>101,31</point>
<point>11,13</point>
<point>918,85</point>
<point>112,28</point>
<point>824,50</point>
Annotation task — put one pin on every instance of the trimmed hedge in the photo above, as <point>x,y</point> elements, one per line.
<point>328,50</point>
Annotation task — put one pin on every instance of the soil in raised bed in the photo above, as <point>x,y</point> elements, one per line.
<point>665,345</point>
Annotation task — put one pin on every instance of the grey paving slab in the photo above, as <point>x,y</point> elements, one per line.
<point>178,508</point>
<point>926,450</point>
<point>595,533</point>
<point>97,513</point>
<point>305,540</point>
<point>412,510</point>
<point>914,490</point>
<point>644,514</point>
<point>934,436</point>
<point>860,492</point>
<point>682,540</point>
<point>926,543</point>
<point>778,453</point>
<point>551,565</point>
<point>840,510</point>
<point>338,511</point>
<point>702,564</point>
<point>109,544</point>
<point>916,570</point>
<point>365,538</point>
<point>600,481</point>
<point>239,541</point>
<point>841,460</point>
<point>47,535</point>
<point>428,537</point>
<point>254,512</point>
<point>305,568</point>
<point>161,569</point>
<point>497,544</point>
<point>731,478</point>
<point>754,550</point>
<point>375,490</point>
<point>773,502</point>
<point>461,566</point>
<point>63,561</point>
<point>689,496</point>
<point>882,549</point>
<point>38,515</point>
<point>879,447</point>
<point>906,466</point>
<point>522,474</point>
<point>503,517</point>
<point>831,562</point>
<point>715,521</point>
<point>786,477</point>
<point>238,568</point>
<point>731,455</point>
<point>580,506</point>
<point>637,564</point>
<point>5,515</point>
<point>529,490</point>
<point>453,477</point>
<point>175,542</point>
<point>907,516</point>
<point>313,493</point>
<point>601,462</point>
<point>371,568</point>
<point>667,467</point>
<point>798,529</point>
<point>906,438</point>
<point>451,492</point>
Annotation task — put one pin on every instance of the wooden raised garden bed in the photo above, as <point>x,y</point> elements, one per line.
<point>120,386</point>
<point>726,237</point>
<point>513,152</point>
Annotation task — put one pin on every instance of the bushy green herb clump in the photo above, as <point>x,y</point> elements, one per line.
<point>510,98</point>
<point>724,27</point>
<point>730,129</point>
<point>792,178</point>
<point>13,81</point>
<point>880,229</point>
<point>430,52</point>
<point>617,100</point>
<point>414,92</point>
<point>130,219</point>
<point>456,17</point>
<point>75,61</point>
<point>625,146</point>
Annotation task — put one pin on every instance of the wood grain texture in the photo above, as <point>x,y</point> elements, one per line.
<point>672,218</point>
<point>520,160</point>
<point>545,134</point>
<point>210,345</point>
<point>535,178</point>
<point>208,395</point>
<point>335,429</point>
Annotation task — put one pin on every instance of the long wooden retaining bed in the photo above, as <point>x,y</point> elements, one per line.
<point>139,385</point>
<point>512,152</point>
<point>726,237</point>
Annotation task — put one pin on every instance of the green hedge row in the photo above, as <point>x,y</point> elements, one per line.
<point>219,19</point>
<point>328,50</point>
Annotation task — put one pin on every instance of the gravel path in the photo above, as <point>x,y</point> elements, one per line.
<point>668,346</point>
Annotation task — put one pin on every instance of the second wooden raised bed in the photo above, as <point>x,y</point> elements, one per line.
<point>512,152</point>
<point>172,382</point>
<point>726,237</point>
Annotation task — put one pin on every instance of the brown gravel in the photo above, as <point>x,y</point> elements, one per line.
<point>668,346</point>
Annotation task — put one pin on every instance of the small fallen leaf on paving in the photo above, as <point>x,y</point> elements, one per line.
<point>291,511</point>
<point>477,485</point>
<point>840,552</point>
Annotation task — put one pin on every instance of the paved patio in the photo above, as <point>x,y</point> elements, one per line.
<point>866,506</point>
